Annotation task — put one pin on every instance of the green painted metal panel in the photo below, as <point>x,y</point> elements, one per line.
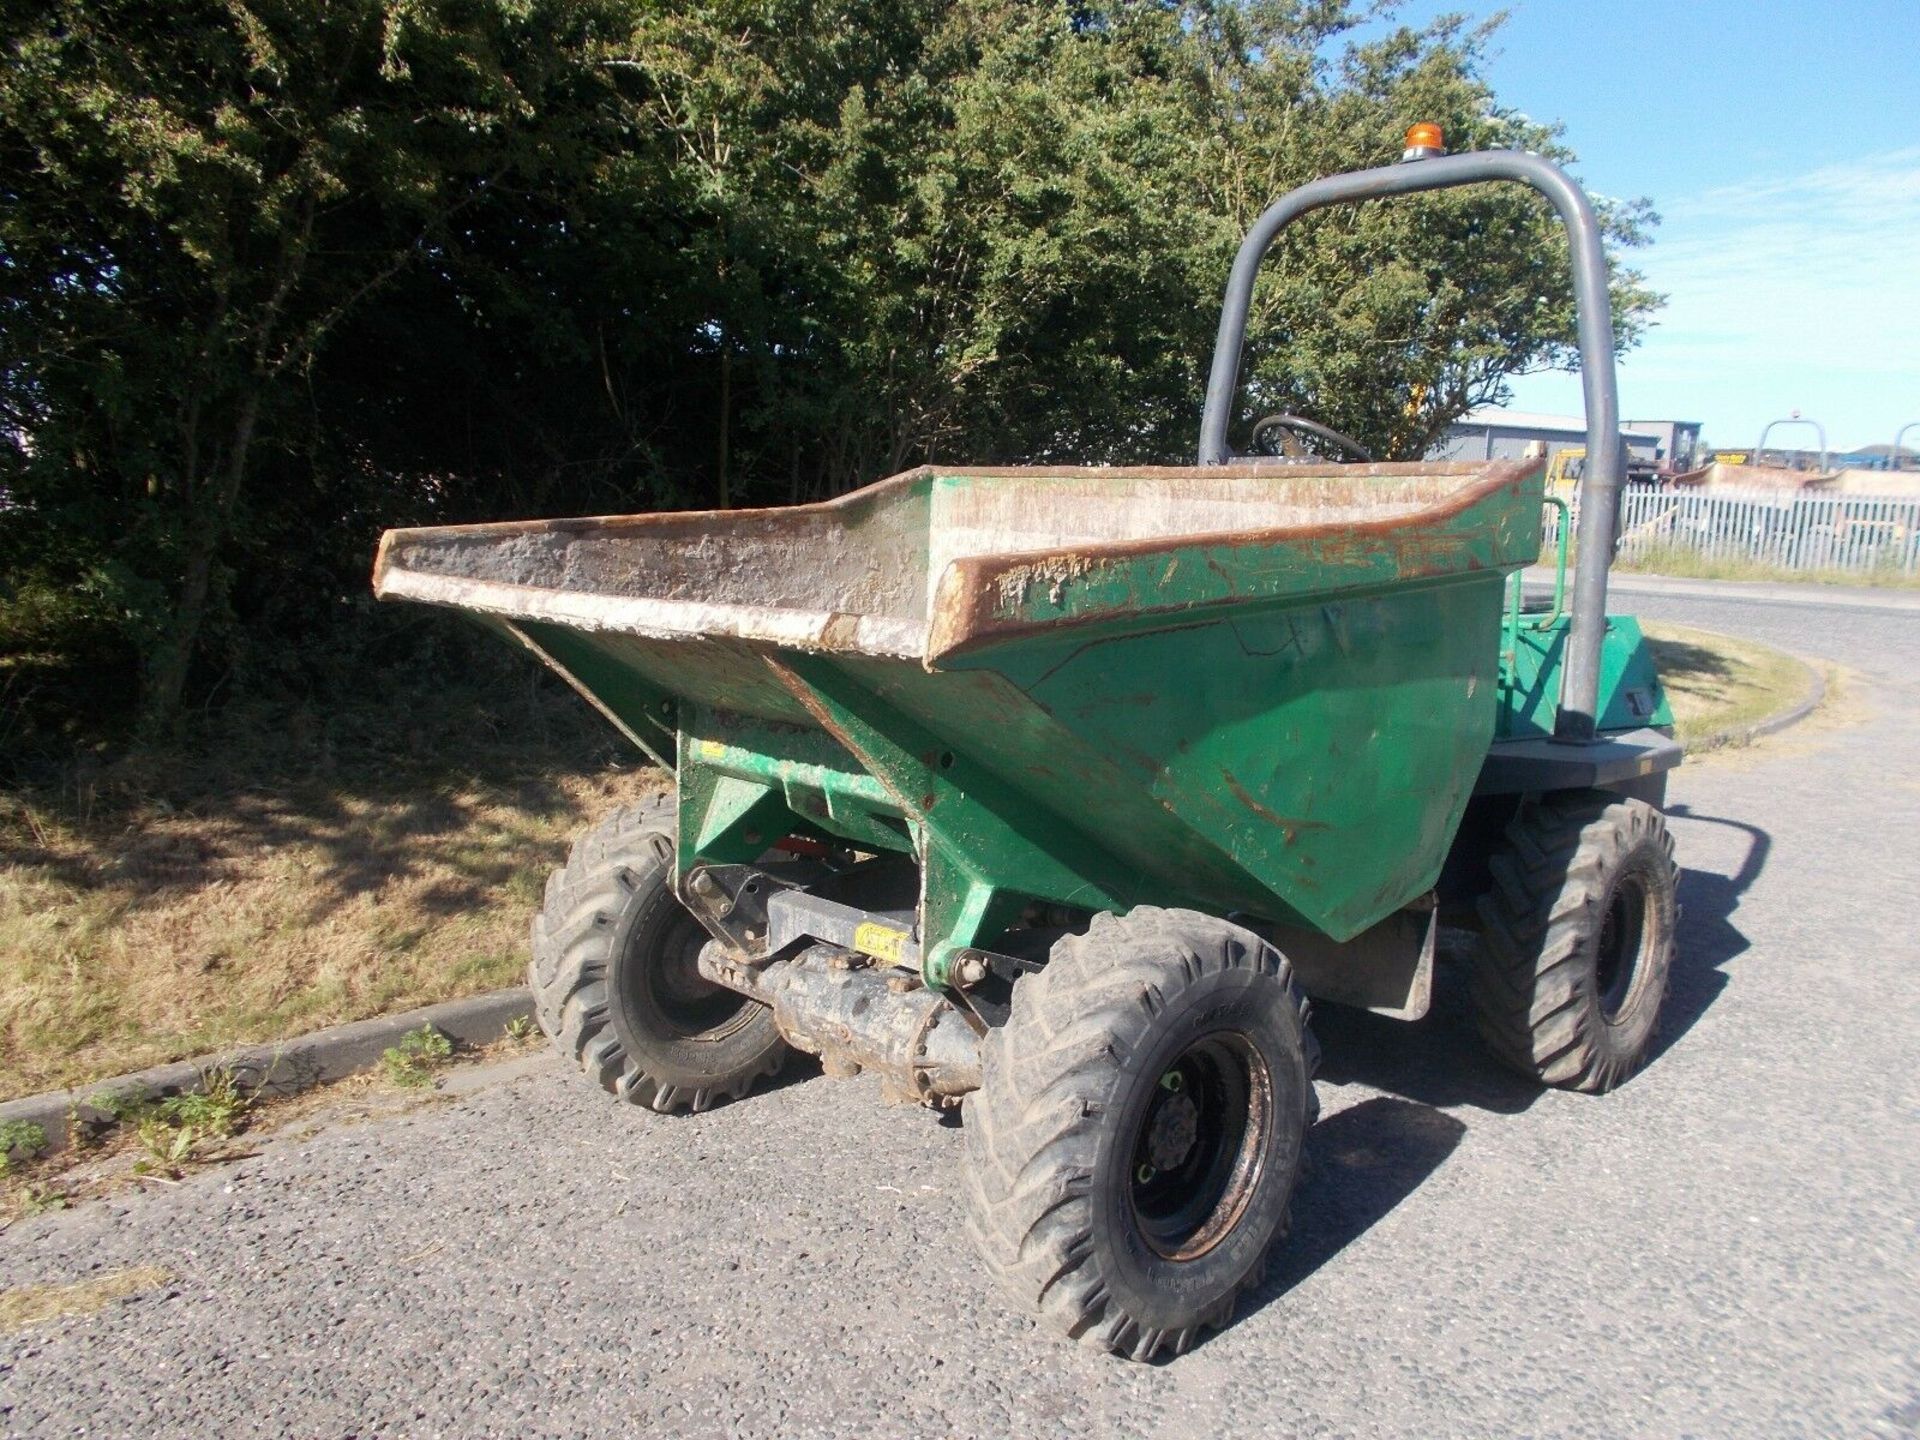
<point>1631,696</point>
<point>813,782</point>
<point>1319,755</point>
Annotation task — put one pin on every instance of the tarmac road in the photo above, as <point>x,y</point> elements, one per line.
<point>1728,1246</point>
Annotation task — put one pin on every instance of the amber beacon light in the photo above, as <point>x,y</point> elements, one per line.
<point>1424,141</point>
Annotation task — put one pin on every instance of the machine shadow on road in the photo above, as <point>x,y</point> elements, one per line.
<point>1363,1162</point>
<point>1707,937</point>
<point>1435,1061</point>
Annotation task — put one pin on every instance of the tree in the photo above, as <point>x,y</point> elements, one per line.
<point>197,196</point>
<point>993,231</point>
<point>276,275</point>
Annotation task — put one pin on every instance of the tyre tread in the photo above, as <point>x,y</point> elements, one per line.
<point>571,937</point>
<point>1032,1128</point>
<point>1533,1010</point>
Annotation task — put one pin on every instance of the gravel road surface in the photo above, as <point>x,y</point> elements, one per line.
<point>1726,1247</point>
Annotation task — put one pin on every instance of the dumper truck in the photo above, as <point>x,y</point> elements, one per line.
<point>1057,794</point>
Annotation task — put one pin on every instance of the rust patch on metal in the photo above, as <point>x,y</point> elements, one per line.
<point>803,520</point>
<point>1290,828</point>
<point>841,632</point>
<point>1052,574</point>
<point>734,572</point>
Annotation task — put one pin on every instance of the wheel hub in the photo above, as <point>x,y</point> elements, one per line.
<point>1172,1131</point>
<point>680,980</point>
<point>1199,1145</point>
<point>675,992</point>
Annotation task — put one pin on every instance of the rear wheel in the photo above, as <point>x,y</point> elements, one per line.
<point>1134,1144</point>
<point>1577,939</point>
<point>616,981</point>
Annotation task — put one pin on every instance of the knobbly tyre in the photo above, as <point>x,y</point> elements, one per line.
<point>1056,793</point>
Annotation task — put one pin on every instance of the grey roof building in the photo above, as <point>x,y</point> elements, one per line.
<point>1490,433</point>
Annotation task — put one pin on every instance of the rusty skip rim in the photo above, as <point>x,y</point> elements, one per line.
<point>964,616</point>
<point>961,613</point>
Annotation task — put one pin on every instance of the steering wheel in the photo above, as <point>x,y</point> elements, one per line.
<point>1290,425</point>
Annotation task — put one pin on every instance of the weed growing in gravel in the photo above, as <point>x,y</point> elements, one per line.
<point>30,1200</point>
<point>20,1140</point>
<point>411,1064</point>
<point>180,1129</point>
<point>520,1029</point>
<point>218,1108</point>
<point>168,1147</point>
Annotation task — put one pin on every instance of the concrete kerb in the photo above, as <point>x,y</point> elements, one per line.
<point>284,1068</point>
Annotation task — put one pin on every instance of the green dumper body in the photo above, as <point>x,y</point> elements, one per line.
<point>1260,690</point>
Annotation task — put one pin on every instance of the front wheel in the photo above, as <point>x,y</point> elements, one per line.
<point>616,979</point>
<point>1134,1144</point>
<point>1577,939</point>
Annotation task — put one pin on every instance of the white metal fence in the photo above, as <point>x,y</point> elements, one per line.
<point>1788,529</point>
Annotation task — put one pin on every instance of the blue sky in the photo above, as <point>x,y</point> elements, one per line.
<point>1780,143</point>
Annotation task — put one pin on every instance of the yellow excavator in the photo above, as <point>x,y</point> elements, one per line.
<point>1563,471</point>
<point>1565,468</point>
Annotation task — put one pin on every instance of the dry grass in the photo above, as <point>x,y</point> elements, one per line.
<point>1718,682</point>
<point>1681,563</point>
<point>156,913</point>
<point>28,1305</point>
<point>1678,562</point>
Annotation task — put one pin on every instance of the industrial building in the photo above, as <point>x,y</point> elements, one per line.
<point>1654,447</point>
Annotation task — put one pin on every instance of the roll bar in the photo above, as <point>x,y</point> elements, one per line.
<point>1600,484</point>
<point>1893,455</point>
<point>1819,430</point>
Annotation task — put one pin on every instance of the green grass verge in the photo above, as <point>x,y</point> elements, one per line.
<point>1717,683</point>
<point>1684,564</point>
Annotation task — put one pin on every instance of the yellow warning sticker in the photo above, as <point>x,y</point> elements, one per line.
<point>710,750</point>
<point>882,942</point>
